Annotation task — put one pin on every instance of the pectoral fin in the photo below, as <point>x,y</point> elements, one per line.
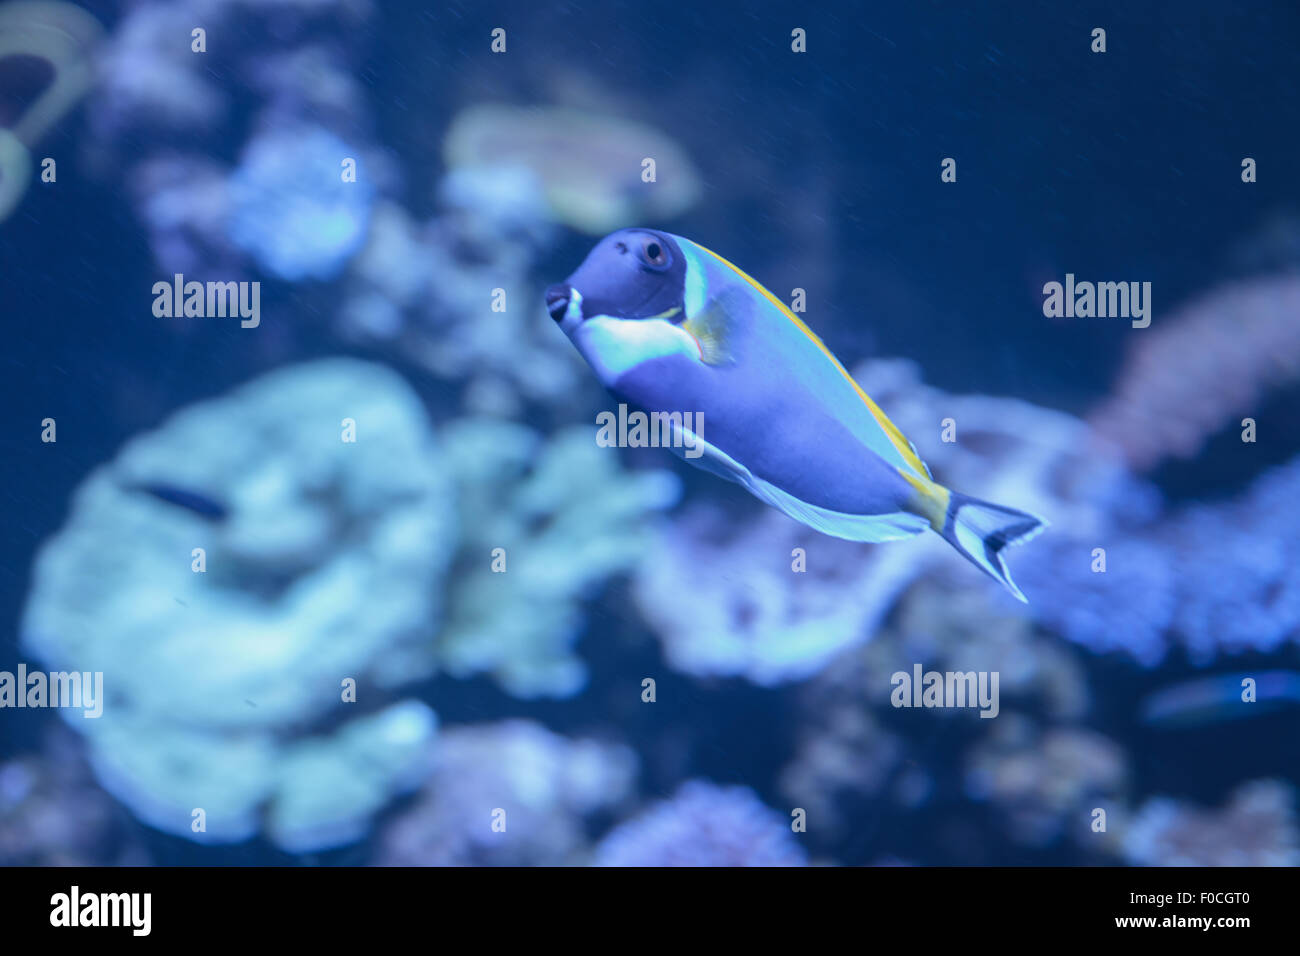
<point>713,327</point>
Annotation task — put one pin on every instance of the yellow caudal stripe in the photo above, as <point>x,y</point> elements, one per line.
<point>932,499</point>
<point>891,430</point>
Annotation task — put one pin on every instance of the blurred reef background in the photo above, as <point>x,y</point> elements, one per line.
<point>522,691</point>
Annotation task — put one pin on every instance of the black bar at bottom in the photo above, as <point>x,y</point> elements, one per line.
<point>302,905</point>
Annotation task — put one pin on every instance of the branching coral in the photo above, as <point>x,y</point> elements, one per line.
<point>1203,368</point>
<point>429,290</point>
<point>566,517</point>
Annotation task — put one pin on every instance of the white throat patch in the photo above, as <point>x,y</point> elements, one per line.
<point>613,346</point>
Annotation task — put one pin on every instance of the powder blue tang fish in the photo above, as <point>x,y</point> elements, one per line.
<point>670,327</point>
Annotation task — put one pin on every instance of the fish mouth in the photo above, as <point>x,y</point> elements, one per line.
<point>557,301</point>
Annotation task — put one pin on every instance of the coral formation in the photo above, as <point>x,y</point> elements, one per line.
<point>53,814</point>
<point>847,753</point>
<point>541,790</point>
<point>1212,579</point>
<point>703,824</point>
<point>725,599</point>
<point>324,565</point>
<point>285,207</point>
<point>428,291</point>
<point>1257,827</point>
<point>290,207</point>
<point>323,558</point>
<point>1203,368</point>
<point>566,517</point>
<point>1045,781</point>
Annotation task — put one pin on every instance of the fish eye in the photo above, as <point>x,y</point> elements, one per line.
<point>654,253</point>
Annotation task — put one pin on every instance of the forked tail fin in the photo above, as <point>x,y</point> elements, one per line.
<point>980,530</point>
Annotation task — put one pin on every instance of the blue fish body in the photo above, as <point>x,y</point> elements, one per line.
<point>671,327</point>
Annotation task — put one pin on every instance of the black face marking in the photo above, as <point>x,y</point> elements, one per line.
<point>557,301</point>
<point>631,274</point>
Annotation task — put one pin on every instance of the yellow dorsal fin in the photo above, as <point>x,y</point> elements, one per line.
<point>896,438</point>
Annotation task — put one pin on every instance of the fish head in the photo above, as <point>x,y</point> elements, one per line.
<point>631,274</point>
